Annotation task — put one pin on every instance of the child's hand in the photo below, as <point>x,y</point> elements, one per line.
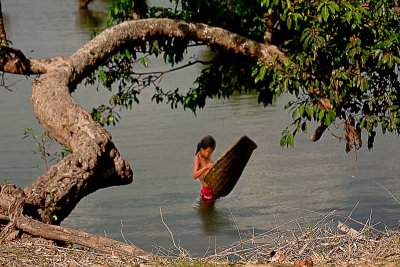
<point>210,165</point>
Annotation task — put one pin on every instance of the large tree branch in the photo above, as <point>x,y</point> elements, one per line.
<point>115,38</point>
<point>95,162</point>
<point>13,60</point>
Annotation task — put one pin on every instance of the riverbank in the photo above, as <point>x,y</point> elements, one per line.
<point>381,250</point>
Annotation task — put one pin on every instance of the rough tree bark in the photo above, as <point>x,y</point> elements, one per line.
<point>95,162</point>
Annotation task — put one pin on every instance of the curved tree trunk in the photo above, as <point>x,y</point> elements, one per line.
<point>95,162</point>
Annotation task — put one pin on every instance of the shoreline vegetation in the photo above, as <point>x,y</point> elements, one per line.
<point>328,242</point>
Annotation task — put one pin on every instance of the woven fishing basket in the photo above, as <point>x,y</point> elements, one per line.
<point>227,170</point>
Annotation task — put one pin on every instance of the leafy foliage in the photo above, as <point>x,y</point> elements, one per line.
<point>344,59</point>
<point>342,62</point>
<point>126,70</point>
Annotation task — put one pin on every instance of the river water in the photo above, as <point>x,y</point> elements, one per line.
<point>278,185</point>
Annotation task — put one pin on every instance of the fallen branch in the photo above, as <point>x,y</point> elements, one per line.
<point>12,202</point>
<point>80,238</point>
<point>74,236</point>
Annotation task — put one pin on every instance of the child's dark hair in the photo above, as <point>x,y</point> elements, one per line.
<point>207,141</point>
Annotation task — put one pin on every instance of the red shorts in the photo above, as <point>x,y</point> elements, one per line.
<point>206,193</point>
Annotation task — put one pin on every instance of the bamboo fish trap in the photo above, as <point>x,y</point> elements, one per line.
<point>227,170</point>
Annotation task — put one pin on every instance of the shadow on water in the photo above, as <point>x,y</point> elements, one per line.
<point>95,16</point>
<point>213,220</point>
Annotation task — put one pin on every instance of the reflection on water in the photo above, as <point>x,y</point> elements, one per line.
<point>91,19</point>
<point>212,219</point>
<point>95,16</point>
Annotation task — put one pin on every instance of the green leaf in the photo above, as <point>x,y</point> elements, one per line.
<point>289,22</point>
<point>301,111</point>
<point>261,74</point>
<point>128,54</point>
<point>394,108</point>
<point>309,111</point>
<point>325,13</point>
<point>290,139</point>
<point>294,114</point>
<point>283,142</point>
<point>145,62</point>
<point>321,115</point>
<point>363,84</point>
<point>265,3</point>
<point>349,17</point>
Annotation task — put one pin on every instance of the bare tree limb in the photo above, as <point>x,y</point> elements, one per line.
<point>95,162</point>
<point>13,60</point>
<point>74,236</point>
<point>115,38</point>
<point>12,200</point>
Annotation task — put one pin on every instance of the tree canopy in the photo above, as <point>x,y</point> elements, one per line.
<point>340,61</point>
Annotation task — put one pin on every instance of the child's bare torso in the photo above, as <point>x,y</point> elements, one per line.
<point>203,162</point>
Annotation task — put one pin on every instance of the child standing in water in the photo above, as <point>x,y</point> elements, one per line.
<point>202,163</point>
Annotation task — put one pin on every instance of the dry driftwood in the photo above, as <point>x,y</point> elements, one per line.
<point>73,236</point>
<point>13,197</point>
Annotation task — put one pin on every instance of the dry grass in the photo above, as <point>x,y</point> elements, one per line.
<point>329,241</point>
<point>38,252</point>
<point>326,242</point>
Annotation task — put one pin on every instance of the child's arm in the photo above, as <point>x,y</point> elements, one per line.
<point>196,171</point>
